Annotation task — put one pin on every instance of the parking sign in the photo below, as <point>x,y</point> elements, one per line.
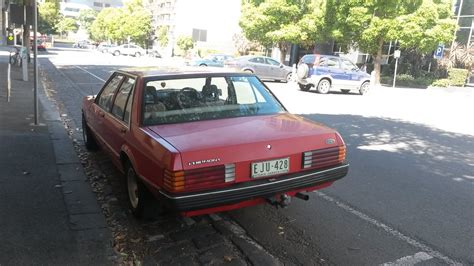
<point>438,54</point>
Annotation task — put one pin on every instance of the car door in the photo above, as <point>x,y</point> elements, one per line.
<point>101,107</point>
<point>275,69</point>
<point>350,75</point>
<point>334,70</point>
<point>117,121</point>
<point>260,67</point>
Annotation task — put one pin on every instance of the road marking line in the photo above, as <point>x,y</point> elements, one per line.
<point>103,80</point>
<point>410,260</point>
<point>388,229</point>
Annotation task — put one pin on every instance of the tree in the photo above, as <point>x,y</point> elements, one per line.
<point>66,25</point>
<point>48,17</point>
<point>419,24</point>
<point>162,35</point>
<point>279,22</point>
<point>86,18</point>
<point>243,45</point>
<point>185,43</point>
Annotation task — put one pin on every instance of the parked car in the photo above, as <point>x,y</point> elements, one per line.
<point>264,67</point>
<point>82,44</point>
<point>215,60</point>
<point>326,72</point>
<point>204,142</point>
<point>128,49</point>
<point>40,44</point>
<point>104,47</point>
<point>154,53</point>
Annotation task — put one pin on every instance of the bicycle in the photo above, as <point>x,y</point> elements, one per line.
<point>15,58</point>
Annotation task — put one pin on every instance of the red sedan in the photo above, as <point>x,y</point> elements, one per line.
<point>204,142</point>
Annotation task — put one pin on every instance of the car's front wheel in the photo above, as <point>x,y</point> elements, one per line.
<point>324,86</point>
<point>364,88</point>
<point>137,54</point>
<point>289,77</point>
<point>138,196</point>
<point>116,53</point>
<point>87,136</point>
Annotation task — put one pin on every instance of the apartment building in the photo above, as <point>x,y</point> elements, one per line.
<point>211,23</point>
<point>71,8</point>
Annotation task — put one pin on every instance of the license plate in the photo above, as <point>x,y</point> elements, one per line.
<point>268,168</point>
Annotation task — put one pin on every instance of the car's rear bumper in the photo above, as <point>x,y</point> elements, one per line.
<point>261,188</point>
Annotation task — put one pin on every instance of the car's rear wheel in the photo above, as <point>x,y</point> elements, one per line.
<point>364,88</point>
<point>138,196</point>
<point>248,71</point>
<point>116,53</point>
<point>345,91</point>
<point>138,54</point>
<point>289,77</point>
<point>324,86</point>
<point>305,87</point>
<point>203,65</point>
<point>89,140</point>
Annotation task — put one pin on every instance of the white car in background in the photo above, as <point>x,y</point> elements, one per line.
<point>127,49</point>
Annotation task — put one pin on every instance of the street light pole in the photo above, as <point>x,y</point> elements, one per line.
<point>35,60</point>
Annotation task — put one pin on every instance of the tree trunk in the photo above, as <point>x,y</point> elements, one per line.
<point>283,50</point>
<point>378,63</point>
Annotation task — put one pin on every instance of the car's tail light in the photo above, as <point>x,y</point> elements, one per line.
<point>324,157</point>
<point>198,179</point>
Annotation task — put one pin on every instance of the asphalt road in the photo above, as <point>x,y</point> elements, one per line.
<point>407,199</point>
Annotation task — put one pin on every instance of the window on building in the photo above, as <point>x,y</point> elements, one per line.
<point>97,4</point>
<point>199,35</point>
<point>107,5</point>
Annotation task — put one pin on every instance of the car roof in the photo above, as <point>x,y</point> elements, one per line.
<point>321,55</point>
<point>148,72</point>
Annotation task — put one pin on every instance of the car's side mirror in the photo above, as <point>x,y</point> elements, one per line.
<point>281,65</point>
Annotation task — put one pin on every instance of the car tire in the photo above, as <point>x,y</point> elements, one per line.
<point>324,86</point>
<point>302,71</point>
<point>305,87</point>
<point>289,77</point>
<point>203,65</point>
<point>89,140</point>
<point>116,53</point>
<point>364,88</point>
<point>139,197</point>
<point>138,54</point>
<point>345,91</point>
<point>248,70</point>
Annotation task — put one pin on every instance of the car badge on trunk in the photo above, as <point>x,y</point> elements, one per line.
<point>330,141</point>
<point>269,146</point>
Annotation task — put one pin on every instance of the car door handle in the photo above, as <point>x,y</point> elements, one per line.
<point>102,114</point>
<point>123,130</point>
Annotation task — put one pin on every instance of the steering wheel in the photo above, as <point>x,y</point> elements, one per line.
<point>187,97</point>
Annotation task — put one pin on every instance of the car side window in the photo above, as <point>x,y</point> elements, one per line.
<point>118,109</point>
<point>258,60</point>
<point>104,99</point>
<point>332,62</point>
<point>348,65</point>
<point>272,62</point>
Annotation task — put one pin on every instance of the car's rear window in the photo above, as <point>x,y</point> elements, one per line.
<point>205,98</point>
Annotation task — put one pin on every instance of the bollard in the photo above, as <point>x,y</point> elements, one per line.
<point>24,62</point>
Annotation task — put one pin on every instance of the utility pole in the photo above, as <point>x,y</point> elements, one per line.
<point>35,60</point>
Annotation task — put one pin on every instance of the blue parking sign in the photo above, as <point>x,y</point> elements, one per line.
<point>438,54</point>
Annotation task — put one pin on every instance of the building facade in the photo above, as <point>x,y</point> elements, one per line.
<point>210,23</point>
<point>71,8</point>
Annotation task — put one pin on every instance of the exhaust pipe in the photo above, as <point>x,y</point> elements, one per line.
<point>302,196</point>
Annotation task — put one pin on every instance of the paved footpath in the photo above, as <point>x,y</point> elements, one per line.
<point>48,213</point>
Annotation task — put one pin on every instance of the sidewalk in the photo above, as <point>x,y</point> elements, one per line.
<point>48,213</point>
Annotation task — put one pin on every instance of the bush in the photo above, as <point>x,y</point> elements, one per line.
<point>457,76</point>
<point>405,80</point>
<point>440,83</point>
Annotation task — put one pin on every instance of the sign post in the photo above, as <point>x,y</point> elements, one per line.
<point>396,55</point>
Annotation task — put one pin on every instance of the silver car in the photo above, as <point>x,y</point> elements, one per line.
<point>127,49</point>
<point>264,67</point>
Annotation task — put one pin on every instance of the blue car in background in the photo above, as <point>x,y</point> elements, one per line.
<point>214,60</point>
<point>327,72</point>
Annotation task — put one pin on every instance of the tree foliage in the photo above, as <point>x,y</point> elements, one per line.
<point>419,24</point>
<point>66,25</point>
<point>281,22</point>
<point>86,18</point>
<point>162,35</point>
<point>48,17</point>
<point>118,24</point>
<point>185,43</point>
